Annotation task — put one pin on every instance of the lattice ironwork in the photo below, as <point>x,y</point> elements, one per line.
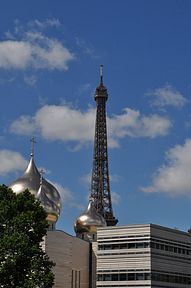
<point>100,184</point>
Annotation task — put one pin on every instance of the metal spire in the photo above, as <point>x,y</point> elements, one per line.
<point>101,74</point>
<point>100,184</point>
<point>33,142</point>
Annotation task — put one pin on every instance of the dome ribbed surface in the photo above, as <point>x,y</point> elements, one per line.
<point>50,207</point>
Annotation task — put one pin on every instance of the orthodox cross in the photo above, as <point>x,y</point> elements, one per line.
<point>33,142</point>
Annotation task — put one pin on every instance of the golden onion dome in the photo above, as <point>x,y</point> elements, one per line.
<point>50,207</point>
<point>89,220</point>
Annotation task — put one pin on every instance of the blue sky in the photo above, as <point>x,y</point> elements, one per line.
<point>49,68</point>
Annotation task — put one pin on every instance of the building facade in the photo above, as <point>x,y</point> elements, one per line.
<point>71,256</point>
<point>143,256</point>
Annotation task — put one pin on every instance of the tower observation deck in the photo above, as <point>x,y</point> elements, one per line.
<point>100,184</point>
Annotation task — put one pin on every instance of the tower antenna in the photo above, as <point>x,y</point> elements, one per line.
<point>101,74</point>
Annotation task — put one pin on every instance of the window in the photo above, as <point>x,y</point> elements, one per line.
<point>114,277</point>
<point>147,276</point>
<point>131,276</point>
<point>146,245</point>
<point>122,277</point>
<point>131,245</point>
<point>123,246</point>
<point>140,276</point>
<point>107,247</point>
<point>107,277</point>
<point>139,245</point>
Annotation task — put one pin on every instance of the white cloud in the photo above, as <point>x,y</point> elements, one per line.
<point>30,80</point>
<point>67,197</point>
<point>84,88</point>
<point>15,54</point>
<point>72,125</point>
<point>131,123</point>
<point>7,80</point>
<point>167,96</point>
<point>49,22</point>
<point>25,125</point>
<point>173,178</point>
<point>116,198</point>
<point>86,180</point>
<point>86,48</point>
<point>65,193</point>
<point>58,123</point>
<point>33,49</point>
<point>11,162</point>
<point>115,178</point>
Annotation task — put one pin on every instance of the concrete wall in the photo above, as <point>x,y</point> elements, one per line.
<point>94,264</point>
<point>71,256</point>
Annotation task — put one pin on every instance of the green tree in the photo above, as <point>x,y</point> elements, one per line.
<point>23,224</point>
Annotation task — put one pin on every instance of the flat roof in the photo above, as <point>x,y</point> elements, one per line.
<point>174,230</point>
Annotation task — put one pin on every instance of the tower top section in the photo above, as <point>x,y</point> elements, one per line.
<point>101,91</point>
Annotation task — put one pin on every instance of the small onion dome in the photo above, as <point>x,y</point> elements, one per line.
<point>89,220</point>
<point>52,193</point>
<point>49,206</point>
<point>29,180</point>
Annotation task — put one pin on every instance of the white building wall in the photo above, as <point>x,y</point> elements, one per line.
<point>152,255</point>
<point>119,261</point>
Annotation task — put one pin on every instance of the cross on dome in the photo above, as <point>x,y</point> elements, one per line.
<point>33,142</point>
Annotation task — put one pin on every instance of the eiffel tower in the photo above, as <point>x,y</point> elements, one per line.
<point>100,184</point>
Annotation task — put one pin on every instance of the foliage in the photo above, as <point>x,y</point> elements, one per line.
<point>23,224</point>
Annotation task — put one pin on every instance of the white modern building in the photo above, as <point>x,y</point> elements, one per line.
<point>144,255</point>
